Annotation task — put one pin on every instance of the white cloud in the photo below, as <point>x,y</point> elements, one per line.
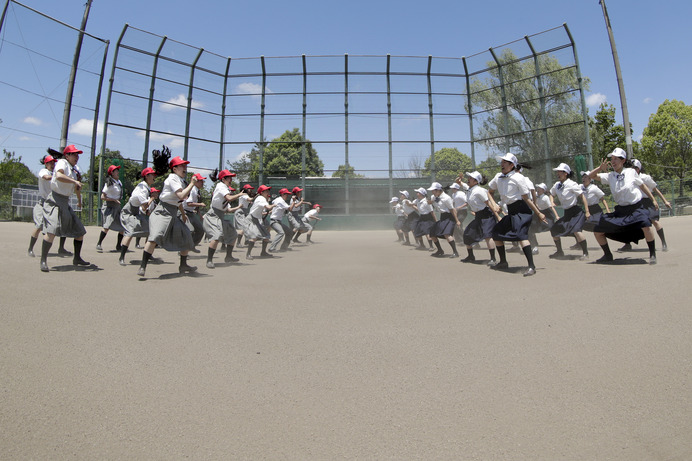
<point>24,138</point>
<point>179,103</point>
<point>85,127</point>
<point>251,88</point>
<point>168,140</point>
<point>596,99</point>
<point>647,100</point>
<point>33,121</point>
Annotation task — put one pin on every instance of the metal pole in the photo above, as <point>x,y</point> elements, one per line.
<point>584,112</point>
<point>621,85</point>
<point>504,98</point>
<point>431,118</point>
<point>346,188</point>
<point>4,13</point>
<point>189,103</point>
<point>303,147</point>
<point>150,106</point>
<point>389,123</point>
<point>261,133</point>
<point>94,132</point>
<point>470,111</point>
<point>223,116</point>
<point>73,75</point>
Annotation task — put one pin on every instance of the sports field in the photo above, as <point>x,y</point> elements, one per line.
<point>352,348</point>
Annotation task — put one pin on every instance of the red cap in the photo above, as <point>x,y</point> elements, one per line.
<point>316,205</point>
<point>153,189</point>
<point>48,158</point>
<point>175,161</point>
<point>247,187</point>
<point>112,168</point>
<point>232,189</point>
<point>297,189</point>
<point>224,173</point>
<point>284,191</point>
<point>71,149</point>
<point>148,170</point>
<point>262,188</point>
<point>199,177</point>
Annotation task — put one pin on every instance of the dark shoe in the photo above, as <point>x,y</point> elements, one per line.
<point>625,247</point>
<point>514,249</point>
<point>211,265</point>
<point>230,259</point>
<point>437,254</point>
<point>80,262</point>
<point>604,259</point>
<point>454,255</point>
<point>421,248</point>
<point>31,254</point>
<point>529,272</point>
<point>576,246</point>
<point>468,259</point>
<point>195,250</point>
<point>557,255</point>
<point>63,253</point>
<point>500,266</point>
<point>266,255</point>
<point>184,268</point>
<point>406,244</point>
<point>44,267</point>
<point>141,271</point>
<point>118,247</point>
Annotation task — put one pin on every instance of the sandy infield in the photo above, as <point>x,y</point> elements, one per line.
<point>354,347</point>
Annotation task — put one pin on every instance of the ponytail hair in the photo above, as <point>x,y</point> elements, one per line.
<point>214,175</point>
<point>484,180</point>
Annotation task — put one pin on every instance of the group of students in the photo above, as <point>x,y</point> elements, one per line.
<point>529,209</point>
<point>169,218</point>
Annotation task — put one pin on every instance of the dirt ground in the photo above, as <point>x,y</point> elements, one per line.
<point>354,347</point>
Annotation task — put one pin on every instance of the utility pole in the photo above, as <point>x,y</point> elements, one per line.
<point>621,86</point>
<point>73,74</point>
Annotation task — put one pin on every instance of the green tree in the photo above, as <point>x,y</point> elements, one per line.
<point>519,129</point>
<point>606,135</point>
<point>13,170</point>
<point>342,170</point>
<point>489,167</point>
<point>281,157</point>
<point>667,140</point>
<point>449,162</point>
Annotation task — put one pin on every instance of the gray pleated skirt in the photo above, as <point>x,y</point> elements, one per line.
<point>38,214</point>
<point>167,230</point>
<point>59,218</point>
<point>135,223</point>
<point>256,230</point>
<point>218,228</point>
<point>296,222</point>
<point>240,220</point>
<point>111,216</point>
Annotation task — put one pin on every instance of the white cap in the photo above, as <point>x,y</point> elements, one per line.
<point>422,191</point>
<point>455,186</point>
<point>394,200</point>
<point>510,157</point>
<point>541,186</point>
<point>475,175</point>
<point>636,163</point>
<point>404,193</point>
<point>583,173</point>
<point>435,186</point>
<point>563,167</point>
<point>618,153</point>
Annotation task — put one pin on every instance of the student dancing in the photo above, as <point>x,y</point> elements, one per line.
<point>569,193</point>
<point>217,228</point>
<point>111,195</point>
<point>484,219</point>
<point>134,215</point>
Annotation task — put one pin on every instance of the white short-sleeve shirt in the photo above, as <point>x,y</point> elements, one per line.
<point>444,203</point>
<point>44,184</point>
<point>193,198</point>
<point>512,186</point>
<point>312,214</point>
<point>624,186</point>
<point>649,181</point>
<point>113,189</point>
<point>171,185</point>
<point>258,206</point>
<point>476,197</point>
<point>59,187</point>
<point>424,207</point>
<point>459,198</point>
<point>279,210</point>
<point>567,192</point>
<point>593,193</point>
<point>543,202</point>
<point>140,195</point>
<point>218,198</point>
<point>244,201</point>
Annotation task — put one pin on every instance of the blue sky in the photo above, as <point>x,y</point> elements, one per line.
<point>653,40</point>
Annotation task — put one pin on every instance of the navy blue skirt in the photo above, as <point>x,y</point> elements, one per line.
<point>596,211</point>
<point>515,226</point>
<point>445,226</point>
<point>625,223</point>
<point>411,222</point>
<point>572,221</point>
<point>424,225</point>
<point>538,226</point>
<point>481,227</point>
<point>654,213</point>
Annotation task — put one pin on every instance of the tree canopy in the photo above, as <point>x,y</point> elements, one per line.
<point>129,170</point>
<point>667,141</point>
<point>342,170</point>
<point>282,156</point>
<point>449,162</point>
<point>13,170</point>
<point>519,129</point>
